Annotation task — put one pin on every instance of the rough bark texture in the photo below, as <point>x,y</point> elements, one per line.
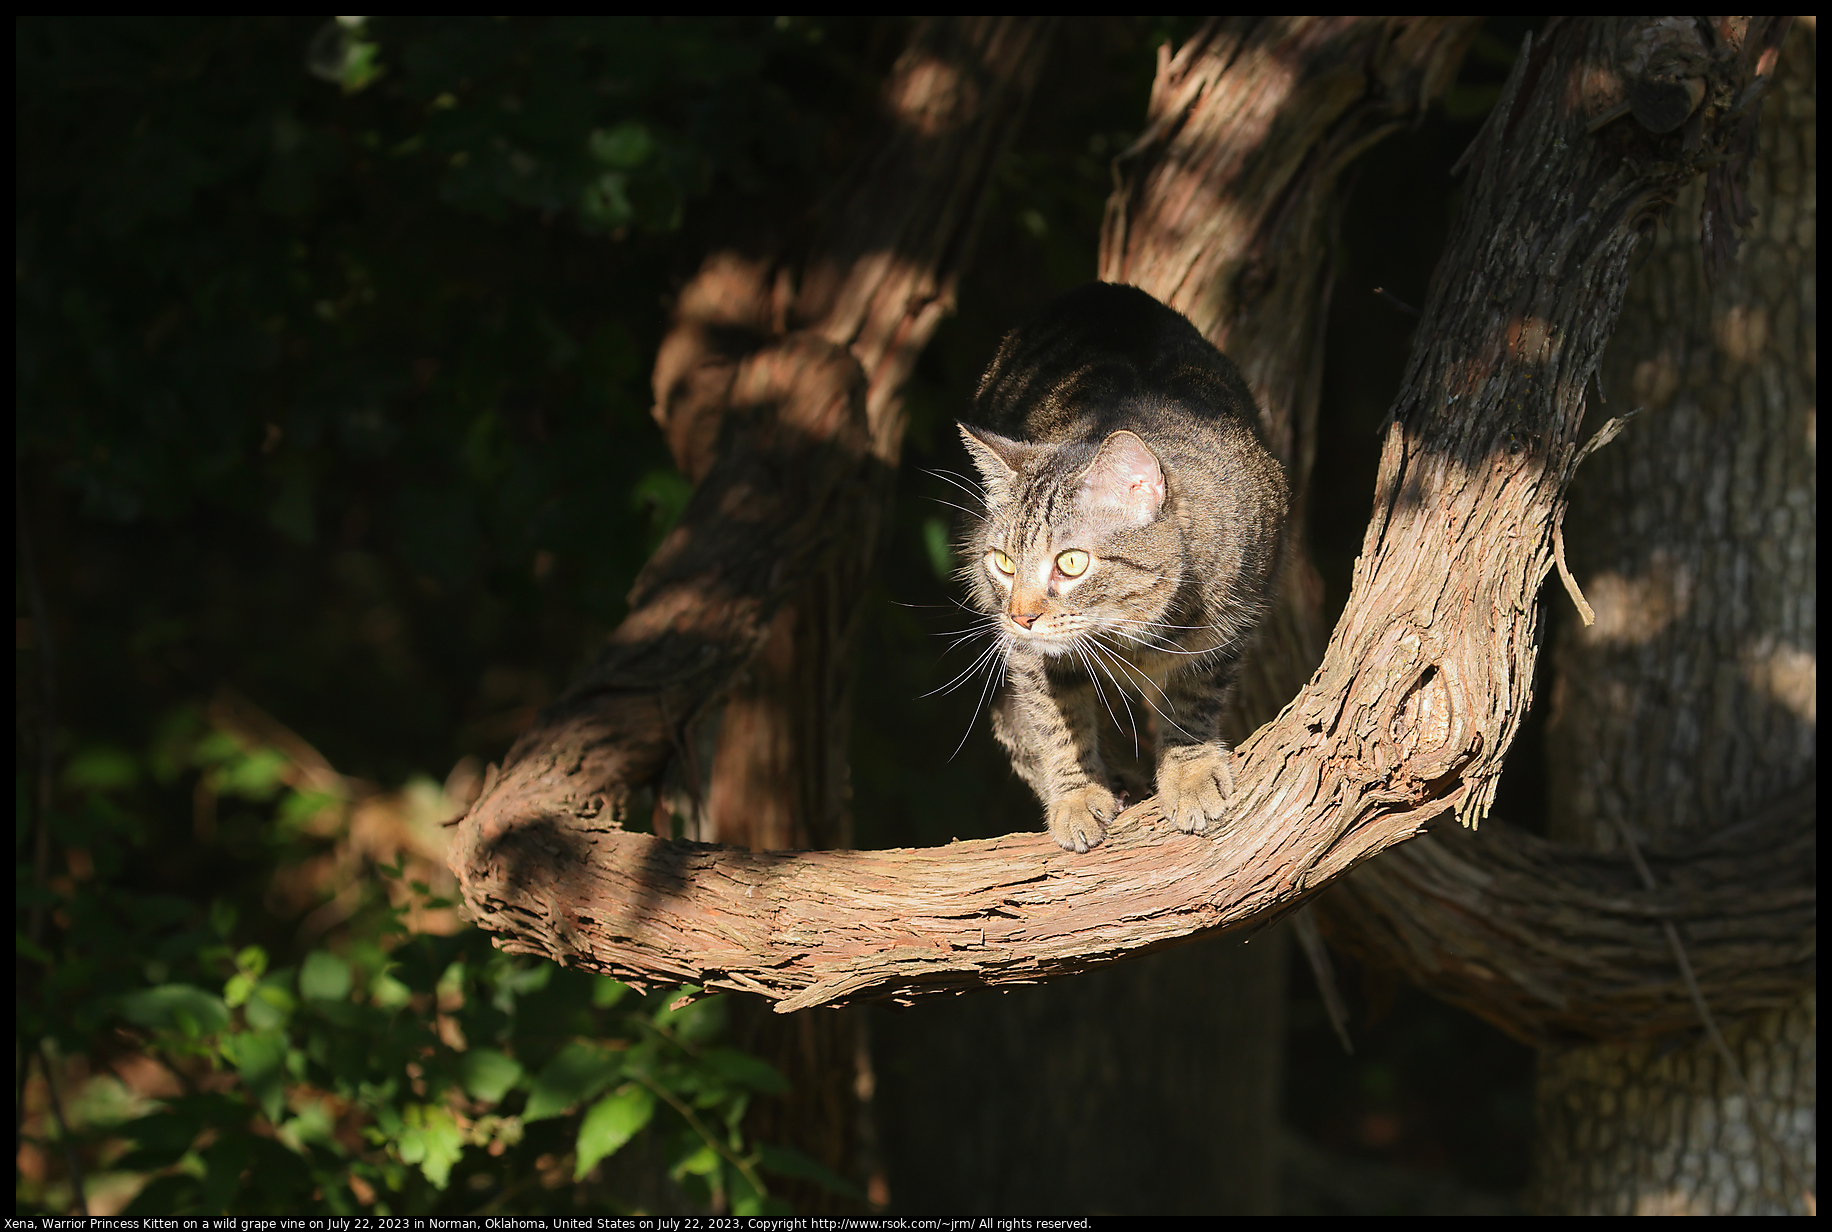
<point>1555,942</point>
<point>856,303</point>
<point>1691,701</point>
<point>1405,721</point>
<point>1127,1064</point>
<point>837,321</point>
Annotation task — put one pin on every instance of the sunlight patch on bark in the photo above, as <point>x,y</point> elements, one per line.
<point>1785,674</point>
<point>1742,332</point>
<point>1635,609</point>
<point>1656,380</point>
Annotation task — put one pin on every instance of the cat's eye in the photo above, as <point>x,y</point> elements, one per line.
<point>1003,562</point>
<point>1073,562</point>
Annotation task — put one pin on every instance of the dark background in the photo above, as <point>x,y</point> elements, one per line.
<point>332,390</point>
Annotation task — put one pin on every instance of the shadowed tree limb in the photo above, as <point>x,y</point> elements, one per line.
<point>1553,943</point>
<point>1556,943</point>
<point>1418,695</point>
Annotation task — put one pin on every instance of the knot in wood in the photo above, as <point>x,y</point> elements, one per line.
<point>1664,62</point>
<point>1424,725</point>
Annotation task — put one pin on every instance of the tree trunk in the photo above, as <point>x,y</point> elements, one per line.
<point>1691,699</point>
<point>1407,719</point>
<point>772,774</point>
<point>1167,1069</point>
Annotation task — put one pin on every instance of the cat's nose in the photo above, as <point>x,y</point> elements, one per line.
<point>1026,619</point>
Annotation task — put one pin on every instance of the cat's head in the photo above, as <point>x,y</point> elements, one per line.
<point>1075,541</point>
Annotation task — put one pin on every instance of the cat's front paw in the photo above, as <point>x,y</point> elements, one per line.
<point>1194,783</point>
<point>1078,819</point>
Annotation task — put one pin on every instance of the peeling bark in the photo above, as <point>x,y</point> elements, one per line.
<point>761,761</point>
<point>1106,1065</point>
<point>1406,720</point>
<point>1555,944</point>
<point>1559,942</point>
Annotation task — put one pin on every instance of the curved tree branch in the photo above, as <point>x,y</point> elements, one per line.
<point>1418,695</point>
<point>1555,942</point>
<point>1552,943</point>
<point>1227,209</point>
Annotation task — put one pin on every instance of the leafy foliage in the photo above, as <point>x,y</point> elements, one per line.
<point>331,376</point>
<point>404,1071</point>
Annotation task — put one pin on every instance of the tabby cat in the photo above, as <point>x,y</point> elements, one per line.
<point>1133,524</point>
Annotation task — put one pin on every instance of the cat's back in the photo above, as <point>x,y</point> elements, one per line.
<point>1101,356</point>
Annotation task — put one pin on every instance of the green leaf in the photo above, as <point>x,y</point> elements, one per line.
<point>665,491</point>
<point>299,808</point>
<point>177,1007</point>
<point>612,1121</point>
<point>271,1002</point>
<point>224,1162</point>
<point>607,992</point>
<point>579,1072</point>
<point>702,1161</point>
<point>388,992</point>
<point>626,146</point>
<point>260,1058</point>
<point>312,1123</point>
<point>432,1139</point>
<point>164,1196</point>
<point>488,1074</point>
<point>102,768</point>
<point>222,922</point>
<point>697,1021</point>
<point>941,551</point>
<point>745,1070</point>
<point>160,1140</point>
<point>745,1198</point>
<point>340,54</point>
<point>255,776</point>
<point>324,977</point>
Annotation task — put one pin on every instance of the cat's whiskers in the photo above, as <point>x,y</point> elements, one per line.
<point>994,679</point>
<point>984,624</point>
<point>1158,624</point>
<point>956,638</point>
<point>1146,637</point>
<point>1132,669</point>
<point>964,483</point>
<point>985,656</point>
<point>1088,665</point>
<point>1162,648</point>
<point>1150,625</point>
<point>977,517</point>
<point>1143,696</point>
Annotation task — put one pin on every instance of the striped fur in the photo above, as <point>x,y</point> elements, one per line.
<point>1126,490</point>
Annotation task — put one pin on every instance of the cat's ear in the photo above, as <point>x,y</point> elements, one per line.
<point>998,457</point>
<point>1125,479</point>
